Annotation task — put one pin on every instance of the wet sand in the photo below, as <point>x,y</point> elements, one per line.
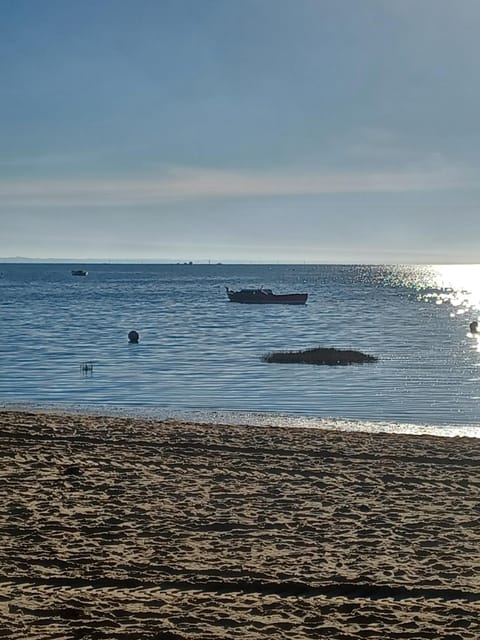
<point>138,529</point>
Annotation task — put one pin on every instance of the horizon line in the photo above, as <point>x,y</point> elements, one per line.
<point>206,261</point>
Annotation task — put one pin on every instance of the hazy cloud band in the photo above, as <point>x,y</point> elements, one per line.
<point>192,184</point>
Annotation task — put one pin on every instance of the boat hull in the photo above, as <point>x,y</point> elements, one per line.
<point>266,298</point>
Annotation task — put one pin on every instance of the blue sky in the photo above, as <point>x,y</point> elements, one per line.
<point>240,130</point>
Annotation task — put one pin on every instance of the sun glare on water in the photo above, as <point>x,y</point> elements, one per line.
<point>464,281</point>
<point>459,285</point>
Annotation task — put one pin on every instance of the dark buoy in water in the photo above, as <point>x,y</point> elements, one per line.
<point>133,337</point>
<point>473,326</point>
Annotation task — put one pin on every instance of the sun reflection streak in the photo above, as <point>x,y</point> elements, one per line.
<point>461,286</point>
<point>476,339</point>
<point>457,285</point>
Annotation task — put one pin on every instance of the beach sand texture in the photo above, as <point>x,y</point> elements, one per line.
<point>134,529</point>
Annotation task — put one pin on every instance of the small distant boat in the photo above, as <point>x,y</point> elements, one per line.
<point>265,296</point>
<point>79,272</point>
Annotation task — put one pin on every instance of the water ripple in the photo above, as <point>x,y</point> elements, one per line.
<point>197,351</point>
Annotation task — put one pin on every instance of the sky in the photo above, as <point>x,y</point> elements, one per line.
<point>240,130</point>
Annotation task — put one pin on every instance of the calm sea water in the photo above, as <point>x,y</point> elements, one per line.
<point>200,353</point>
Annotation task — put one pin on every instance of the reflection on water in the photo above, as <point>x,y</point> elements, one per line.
<point>456,284</point>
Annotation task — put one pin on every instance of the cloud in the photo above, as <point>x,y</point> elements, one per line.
<point>187,184</point>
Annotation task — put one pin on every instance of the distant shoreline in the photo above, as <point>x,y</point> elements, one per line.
<point>228,262</point>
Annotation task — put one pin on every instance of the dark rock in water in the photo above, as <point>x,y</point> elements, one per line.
<point>320,355</point>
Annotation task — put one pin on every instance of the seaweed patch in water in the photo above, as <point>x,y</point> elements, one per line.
<point>320,355</point>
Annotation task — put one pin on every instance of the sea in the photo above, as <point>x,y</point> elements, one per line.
<point>64,344</point>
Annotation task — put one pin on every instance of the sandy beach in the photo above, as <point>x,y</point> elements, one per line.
<point>135,529</point>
